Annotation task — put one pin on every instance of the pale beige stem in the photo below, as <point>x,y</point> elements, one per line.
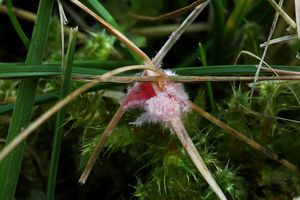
<point>285,16</point>
<point>178,32</point>
<point>194,79</point>
<point>265,50</point>
<point>166,29</point>
<point>297,13</point>
<point>100,144</point>
<point>167,15</point>
<point>245,139</point>
<point>31,17</point>
<point>279,40</point>
<point>189,146</point>
<point>35,124</point>
<point>26,15</point>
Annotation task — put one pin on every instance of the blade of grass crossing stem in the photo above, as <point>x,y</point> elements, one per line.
<point>208,84</point>
<point>16,24</point>
<point>10,167</point>
<point>58,134</point>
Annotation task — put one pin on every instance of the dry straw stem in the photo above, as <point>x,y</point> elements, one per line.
<point>35,124</point>
<point>23,14</point>
<point>197,79</point>
<point>189,146</point>
<point>283,14</point>
<point>167,15</point>
<point>297,12</point>
<point>100,144</point>
<point>279,40</point>
<point>245,139</point>
<point>117,34</point>
<point>167,29</point>
<point>178,32</point>
<point>277,72</point>
<point>270,69</point>
<point>265,49</point>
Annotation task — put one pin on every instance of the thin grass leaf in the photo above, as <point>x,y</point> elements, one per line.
<point>88,69</point>
<point>208,84</point>
<point>41,99</point>
<point>58,134</point>
<point>10,167</point>
<point>218,26</point>
<point>51,96</point>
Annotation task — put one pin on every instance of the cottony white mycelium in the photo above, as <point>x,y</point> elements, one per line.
<point>160,102</point>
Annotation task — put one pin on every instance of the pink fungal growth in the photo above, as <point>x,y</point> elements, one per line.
<point>138,94</point>
<point>160,104</point>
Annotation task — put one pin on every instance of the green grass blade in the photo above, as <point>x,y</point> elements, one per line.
<point>16,24</point>
<point>10,166</point>
<point>19,70</point>
<point>208,84</point>
<point>37,101</point>
<point>228,70</point>
<point>100,9</point>
<point>238,14</point>
<point>45,98</point>
<point>58,134</point>
<point>218,28</point>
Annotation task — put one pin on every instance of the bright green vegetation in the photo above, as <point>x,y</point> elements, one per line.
<point>148,162</point>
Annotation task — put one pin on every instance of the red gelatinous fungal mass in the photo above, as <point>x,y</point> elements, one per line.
<point>138,94</point>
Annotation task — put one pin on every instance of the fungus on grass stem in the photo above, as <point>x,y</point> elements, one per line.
<point>161,103</point>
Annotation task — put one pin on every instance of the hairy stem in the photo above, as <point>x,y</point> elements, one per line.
<point>190,148</point>
<point>100,144</point>
<point>178,32</point>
